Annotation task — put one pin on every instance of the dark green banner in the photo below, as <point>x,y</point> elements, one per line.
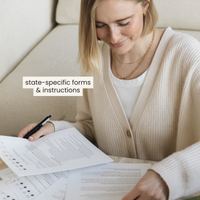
<point>194,198</point>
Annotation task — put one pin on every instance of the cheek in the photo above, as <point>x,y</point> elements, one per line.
<point>135,28</point>
<point>100,33</point>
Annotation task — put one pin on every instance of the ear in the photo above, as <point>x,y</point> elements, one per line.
<point>146,6</point>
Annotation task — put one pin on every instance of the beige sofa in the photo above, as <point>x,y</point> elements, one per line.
<point>40,38</point>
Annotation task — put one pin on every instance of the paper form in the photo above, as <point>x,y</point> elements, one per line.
<point>63,150</point>
<point>104,182</point>
<point>28,188</point>
<point>55,192</point>
<point>6,193</point>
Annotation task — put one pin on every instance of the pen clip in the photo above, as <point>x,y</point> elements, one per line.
<point>45,121</point>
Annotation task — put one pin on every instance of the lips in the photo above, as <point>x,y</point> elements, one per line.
<point>119,44</point>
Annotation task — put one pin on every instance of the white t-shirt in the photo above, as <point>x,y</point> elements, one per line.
<point>128,91</point>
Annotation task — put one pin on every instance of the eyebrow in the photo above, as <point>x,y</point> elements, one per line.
<point>119,20</point>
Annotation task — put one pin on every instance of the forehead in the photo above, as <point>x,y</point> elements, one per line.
<point>109,10</point>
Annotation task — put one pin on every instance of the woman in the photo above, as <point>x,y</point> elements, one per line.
<point>145,101</point>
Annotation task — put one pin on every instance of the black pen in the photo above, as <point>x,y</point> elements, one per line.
<point>35,129</point>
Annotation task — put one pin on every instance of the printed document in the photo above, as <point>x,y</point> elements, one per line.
<point>6,193</point>
<point>104,182</point>
<point>31,187</point>
<point>60,151</point>
<point>55,192</point>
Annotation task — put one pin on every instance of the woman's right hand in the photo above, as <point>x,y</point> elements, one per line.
<point>45,130</point>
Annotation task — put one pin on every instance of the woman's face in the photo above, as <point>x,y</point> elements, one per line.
<point>119,23</point>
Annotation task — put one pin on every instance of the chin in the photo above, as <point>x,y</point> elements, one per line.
<point>120,50</point>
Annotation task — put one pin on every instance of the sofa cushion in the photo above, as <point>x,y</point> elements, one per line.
<point>55,56</point>
<point>179,14</point>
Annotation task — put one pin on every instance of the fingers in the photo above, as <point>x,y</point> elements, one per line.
<point>44,130</point>
<point>24,131</point>
<point>132,195</point>
<point>150,187</point>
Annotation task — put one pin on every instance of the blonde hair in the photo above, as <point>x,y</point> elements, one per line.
<point>151,18</point>
<point>89,52</point>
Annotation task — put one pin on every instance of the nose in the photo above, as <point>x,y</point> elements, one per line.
<point>114,34</point>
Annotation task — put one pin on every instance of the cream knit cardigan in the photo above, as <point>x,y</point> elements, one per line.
<point>165,123</point>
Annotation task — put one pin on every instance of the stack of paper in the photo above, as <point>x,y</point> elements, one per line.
<point>40,170</point>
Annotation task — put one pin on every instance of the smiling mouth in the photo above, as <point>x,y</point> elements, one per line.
<point>119,44</point>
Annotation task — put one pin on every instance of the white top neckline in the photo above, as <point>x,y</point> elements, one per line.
<point>128,83</point>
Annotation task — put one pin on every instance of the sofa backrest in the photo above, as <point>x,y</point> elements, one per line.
<point>178,14</point>
<point>67,11</point>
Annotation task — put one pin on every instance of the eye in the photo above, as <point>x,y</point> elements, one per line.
<point>125,24</point>
<point>100,25</point>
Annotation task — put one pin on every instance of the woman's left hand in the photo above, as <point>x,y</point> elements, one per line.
<point>151,186</point>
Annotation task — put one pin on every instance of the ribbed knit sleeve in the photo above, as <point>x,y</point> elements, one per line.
<point>181,170</point>
<point>84,123</point>
<point>60,125</point>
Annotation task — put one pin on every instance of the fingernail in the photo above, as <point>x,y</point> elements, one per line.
<point>31,138</point>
